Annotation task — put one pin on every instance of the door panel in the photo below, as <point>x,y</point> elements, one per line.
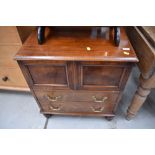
<point>49,73</point>
<point>101,76</point>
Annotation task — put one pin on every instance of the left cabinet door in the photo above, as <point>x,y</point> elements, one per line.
<point>55,74</point>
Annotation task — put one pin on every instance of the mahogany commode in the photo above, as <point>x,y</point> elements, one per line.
<point>73,73</point>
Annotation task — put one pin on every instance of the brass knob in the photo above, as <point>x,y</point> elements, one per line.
<point>53,99</point>
<point>55,108</point>
<point>97,110</point>
<point>5,78</point>
<point>99,101</point>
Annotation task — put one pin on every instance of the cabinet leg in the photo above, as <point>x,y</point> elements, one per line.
<point>109,118</point>
<point>137,102</point>
<point>47,115</point>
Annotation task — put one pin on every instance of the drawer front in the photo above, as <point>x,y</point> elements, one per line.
<point>11,77</point>
<point>77,102</point>
<point>102,76</point>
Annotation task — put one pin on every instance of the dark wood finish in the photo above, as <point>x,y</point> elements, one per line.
<point>48,74</point>
<point>102,75</point>
<point>77,102</point>
<point>24,32</point>
<point>143,40</point>
<point>41,33</point>
<point>70,46</point>
<point>75,74</point>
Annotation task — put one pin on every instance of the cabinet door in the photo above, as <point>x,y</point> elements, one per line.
<point>102,76</point>
<point>56,74</point>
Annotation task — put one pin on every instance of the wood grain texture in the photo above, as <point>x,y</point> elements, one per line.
<point>102,75</point>
<point>24,32</point>
<point>77,102</point>
<point>67,79</point>
<point>72,46</point>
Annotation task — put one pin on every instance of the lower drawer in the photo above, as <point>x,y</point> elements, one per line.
<point>77,102</point>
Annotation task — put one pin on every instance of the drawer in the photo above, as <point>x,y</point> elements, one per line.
<point>7,54</point>
<point>79,108</point>
<point>77,102</point>
<point>11,77</point>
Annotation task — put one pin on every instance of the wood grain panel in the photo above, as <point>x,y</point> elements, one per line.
<point>102,76</point>
<point>48,74</point>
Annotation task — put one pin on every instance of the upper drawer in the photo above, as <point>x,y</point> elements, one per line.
<point>102,76</point>
<point>77,96</point>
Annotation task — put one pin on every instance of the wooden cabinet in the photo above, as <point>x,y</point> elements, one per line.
<point>67,79</point>
<point>11,77</point>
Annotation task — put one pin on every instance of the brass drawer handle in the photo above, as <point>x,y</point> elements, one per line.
<point>99,101</point>
<point>53,99</point>
<point>97,110</point>
<point>55,108</point>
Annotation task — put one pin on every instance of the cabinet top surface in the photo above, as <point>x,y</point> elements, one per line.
<point>81,45</point>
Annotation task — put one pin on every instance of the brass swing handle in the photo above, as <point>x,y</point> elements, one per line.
<point>97,110</point>
<point>55,108</point>
<point>53,99</point>
<point>99,101</point>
